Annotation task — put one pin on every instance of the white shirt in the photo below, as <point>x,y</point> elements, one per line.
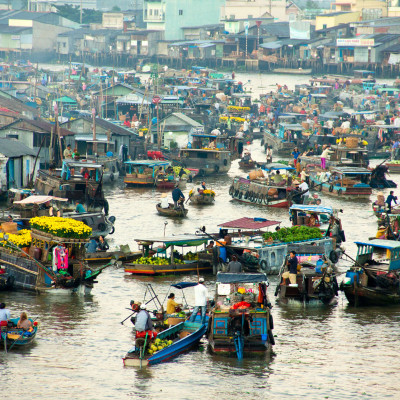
<point>345,125</point>
<point>303,175</point>
<point>4,314</point>
<point>245,126</point>
<point>303,187</point>
<point>397,122</point>
<point>325,153</point>
<point>215,132</point>
<point>269,152</point>
<point>164,202</point>
<point>200,295</point>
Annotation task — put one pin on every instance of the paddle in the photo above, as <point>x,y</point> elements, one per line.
<point>122,322</point>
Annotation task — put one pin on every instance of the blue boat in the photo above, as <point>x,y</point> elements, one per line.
<point>13,336</point>
<point>184,336</point>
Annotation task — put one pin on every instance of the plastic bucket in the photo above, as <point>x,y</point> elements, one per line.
<point>264,337</point>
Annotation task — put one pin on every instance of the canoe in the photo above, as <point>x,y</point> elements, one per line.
<point>202,199</point>
<point>18,337</point>
<point>170,211</point>
<point>184,336</point>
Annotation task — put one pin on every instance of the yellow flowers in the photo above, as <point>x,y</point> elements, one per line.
<point>20,239</point>
<point>238,109</point>
<point>61,227</point>
<point>209,191</point>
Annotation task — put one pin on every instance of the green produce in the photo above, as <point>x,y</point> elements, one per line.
<point>294,234</point>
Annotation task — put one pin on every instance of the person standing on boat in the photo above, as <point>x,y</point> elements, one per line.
<point>68,153</point>
<point>269,154</point>
<point>324,155</point>
<point>200,301</point>
<point>295,155</point>
<point>292,264</point>
<point>389,200</point>
<point>178,197</point>
<point>143,322</point>
<point>305,191</point>
<point>4,312</point>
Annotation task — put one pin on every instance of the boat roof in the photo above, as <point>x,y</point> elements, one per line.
<point>177,240</point>
<point>312,208</point>
<point>72,163</point>
<point>148,163</point>
<point>380,243</point>
<point>36,199</point>
<point>352,170</point>
<point>292,127</point>
<point>229,277</point>
<point>272,166</point>
<point>183,285</point>
<point>249,223</point>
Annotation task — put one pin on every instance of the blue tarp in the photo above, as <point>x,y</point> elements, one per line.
<point>227,277</point>
<point>184,285</point>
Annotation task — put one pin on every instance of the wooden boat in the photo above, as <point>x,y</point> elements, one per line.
<point>374,279</point>
<point>294,71</point>
<point>264,191</point>
<point>394,167</point>
<point>69,183</point>
<point>156,261</point>
<point>247,163</point>
<point>150,173</point>
<point>32,269</point>
<point>313,285</point>
<point>171,211</point>
<point>241,324</point>
<point>13,336</point>
<point>183,336</point>
<point>351,182</point>
<point>207,160</point>
<point>6,281</point>
<point>102,257</point>
<point>202,197</point>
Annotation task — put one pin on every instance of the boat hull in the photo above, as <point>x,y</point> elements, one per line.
<point>171,212</point>
<point>339,191</point>
<point>14,337</point>
<point>202,199</point>
<point>393,168</point>
<point>147,269</point>
<point>366,296</point>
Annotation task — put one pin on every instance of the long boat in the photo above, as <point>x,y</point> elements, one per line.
<point>13,336</point>
<point>373,280</point>
<point>182,337</point>
<point>241,324</point>
<point>345,182</point>
<point>156,261</point>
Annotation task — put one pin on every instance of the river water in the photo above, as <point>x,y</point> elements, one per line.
<point>336,352</point>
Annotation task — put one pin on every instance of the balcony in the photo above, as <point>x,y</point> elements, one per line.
<point>153,18</point>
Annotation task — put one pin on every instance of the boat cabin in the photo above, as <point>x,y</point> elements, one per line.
<point>148,173</point>
<point>289,132</point>
<point>311,215</point>
<point>379,254</point>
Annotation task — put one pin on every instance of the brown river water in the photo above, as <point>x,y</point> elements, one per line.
<point>337,352</point>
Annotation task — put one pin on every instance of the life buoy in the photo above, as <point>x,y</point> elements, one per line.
<point>101,227</point>
<point>112,177</point>
<point>240,195</point>
<point>339,192</point>
<point>216,168</point>
<point>112,230</point>
<point>331,188</point>
<point>261,198</point>
<point>231,190</point>
<point>333,256</point>
<point>246,195</point>
<point>225,162</point>
<point>236,193</point>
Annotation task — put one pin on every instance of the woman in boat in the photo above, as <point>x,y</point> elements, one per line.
<point>103,245</point>
<point>172,305</point>
<point>24,322</point>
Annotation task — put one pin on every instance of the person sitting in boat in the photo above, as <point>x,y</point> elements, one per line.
<point>178,198</point>
<point>91,246</point>
<point>200,301</point>
<point>24,322</point>
<point>164,201</point>
<point>212,145</point>
<point>172,305</point>
<point>210,245</point>
<point>144,323</point>
<point>246,157</point>
<point>4,312</point>
<point>79,207</point>
<point>102,245</point>
<point>314,221</point>
<point>292,264</point>
<point>215,132</point>
<point>277,177</point>
<point>235,266</point>
<point>203,185</point>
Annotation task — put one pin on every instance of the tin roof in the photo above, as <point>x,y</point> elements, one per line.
<point>249,223</point>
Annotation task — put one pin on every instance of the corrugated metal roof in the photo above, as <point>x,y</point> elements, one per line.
<point>13,148</point>
<point>249,223</point>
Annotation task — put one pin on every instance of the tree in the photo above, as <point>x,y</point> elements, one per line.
<point>115,9</point>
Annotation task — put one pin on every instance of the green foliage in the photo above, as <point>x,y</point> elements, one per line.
<point>115,9</point>
<point>294,234</point>
<point>73,13</point>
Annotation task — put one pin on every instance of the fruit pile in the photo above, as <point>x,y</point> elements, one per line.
<point>158,345</point>
<point>191,256</point>
<point>394,162</point>
<point>157,261</point>
<point>294,234</point>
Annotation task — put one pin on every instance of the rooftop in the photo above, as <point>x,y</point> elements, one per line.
<point>14,148</point>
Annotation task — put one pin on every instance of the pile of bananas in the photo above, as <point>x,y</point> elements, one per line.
<point>158,345</point>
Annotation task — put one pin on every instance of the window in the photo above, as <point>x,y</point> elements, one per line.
<point>155,12</point>
<point>151,11</point>
<point>324,26</point>
<point>180,12</point>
